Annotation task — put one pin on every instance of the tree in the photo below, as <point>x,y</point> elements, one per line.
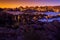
<point>1,9</point>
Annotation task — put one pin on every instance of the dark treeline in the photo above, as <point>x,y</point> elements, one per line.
<point>34,9</point>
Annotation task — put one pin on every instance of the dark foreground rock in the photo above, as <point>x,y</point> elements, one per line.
<point>47,31</point>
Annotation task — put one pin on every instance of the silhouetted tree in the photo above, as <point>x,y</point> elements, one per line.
<point>1,9</point>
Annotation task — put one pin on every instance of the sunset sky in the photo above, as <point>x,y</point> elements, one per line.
<point>17,3</point>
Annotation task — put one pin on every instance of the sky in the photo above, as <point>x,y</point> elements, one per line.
<point>17,3</point>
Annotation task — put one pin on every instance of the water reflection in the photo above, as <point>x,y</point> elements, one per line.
<point>49,20</point>
<point>51,13</point>
<point>43,19</point>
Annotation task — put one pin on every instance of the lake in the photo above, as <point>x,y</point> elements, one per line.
<point>43,20</point>
<point>51,14</point>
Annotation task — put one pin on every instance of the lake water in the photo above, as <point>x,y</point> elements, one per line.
<point>43,20</point>
<point>50,20</point>
<point>52,13</point>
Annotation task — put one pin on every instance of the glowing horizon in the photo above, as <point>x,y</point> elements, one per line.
<point>17,3</point>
